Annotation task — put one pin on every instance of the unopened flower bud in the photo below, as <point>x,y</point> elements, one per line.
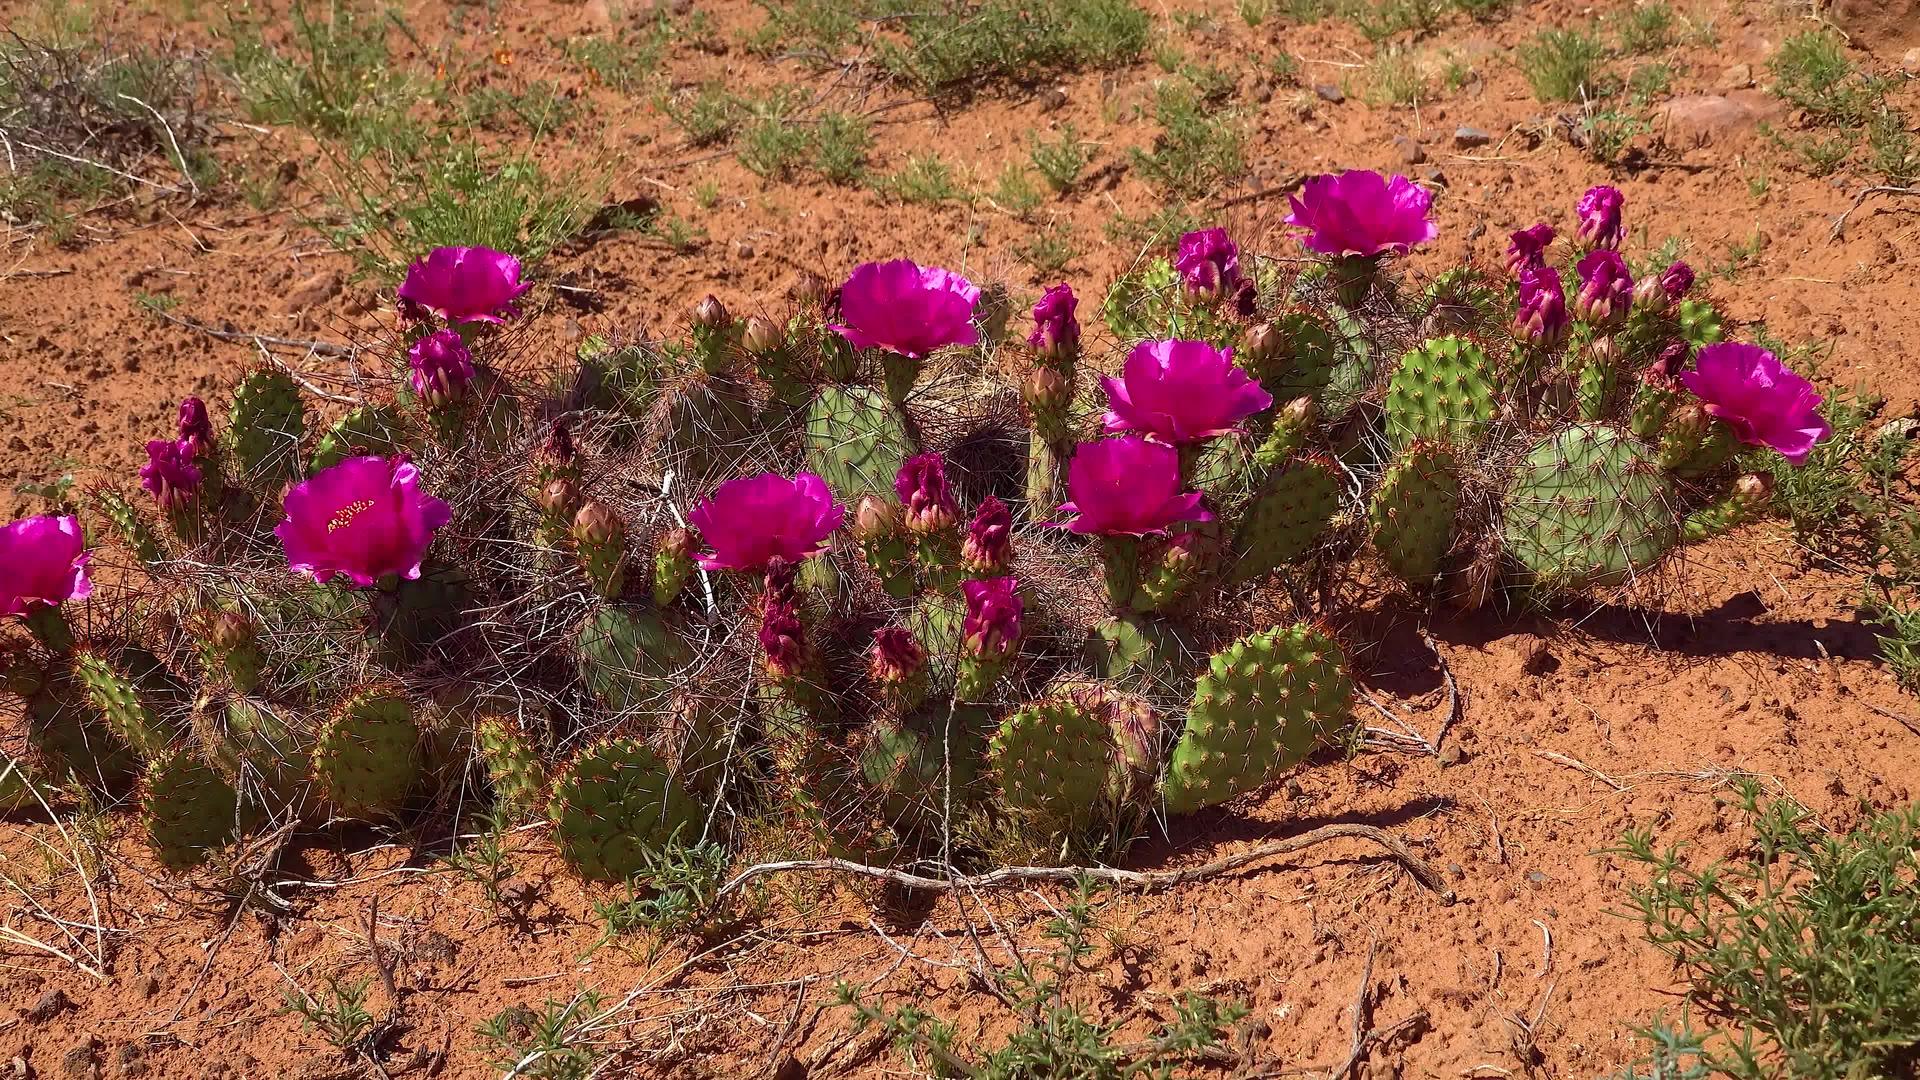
<point>763,337</point>
<point>194,428</point>
<point>896,656</point>
<point>811,290</point>
<point>559,497</point>
<point>988,549</point>
<point>596,524</point>
<point>711,313</point>
<point>1046,390</point>
<point>677,543</point>
<point>1263,344</point>
<point>926,502</point>
<point>558,447</point>
<point>231,630</point>
<point>873,518</point>
<point>1299,411</point>
<point>1754,490</point>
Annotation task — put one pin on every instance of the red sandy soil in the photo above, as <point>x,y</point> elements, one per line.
<point>1751,662</point>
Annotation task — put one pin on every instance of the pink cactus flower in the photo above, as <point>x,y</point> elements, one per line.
<point>1762,400</point>
<point>1209,263</point>
<point>1127,487</point>
<point>194,428</point>
<point>1527,249</point>
<point>926,502</point>
<point>1677,281</point>
<point>170,475</point>
<point>43,560</point>
<point>465,284</point>
<point>442,367</point>
<point>1056,333</point>
<point>1542,318</point>
<point>907,308</point>
<point>783,638</point>
<point>754,520</point>
<point>1662,292</point>
<point>365,518</point>
<point>991,628</point>
<point>1363,213</point>
<point>1599,213</point>
<point>1606,288</point>
<point>988,548</point>
<point>896,657</point>
<point>1181,392</point>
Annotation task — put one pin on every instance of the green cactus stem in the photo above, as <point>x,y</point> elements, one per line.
<point>127,523</point>
<point>898,374</point>
<point>855,440</point>
<point>513,765</point>
<point>629,657</point>
<point>188,810</point>
<point>365,759</point>
<point>905,762</point>
<point>1589,506</point>
<point>1412,514</point>
<point>379,430</point>
<point>615,802</point>
<point>48,625</point>
<point>264,429</point>
<point>672,565</point>
<point>600,546</point>
<point>1444,390</point>
<point>1746,501</point>
<point>1286,519</point>
<point>133,691</point>
<point>1120,570</point>
<point>70,736</point>
<point>1050,762</point>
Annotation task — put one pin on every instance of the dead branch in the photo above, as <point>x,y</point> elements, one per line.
<point>1840,223</point>
<point>1577,765</point>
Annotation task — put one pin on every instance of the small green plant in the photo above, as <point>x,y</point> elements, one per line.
<point>840,143</point>
<point>681,881</point>
<point>1048,251</point>
<point>155,303</point>
<point>817,31</point>
<point>1812,71</point>
<point>1649,81</point>
<point>1016,192</point>
<point>1898,631</point>
<point>1646,28</point>
<point>1800,944</point>
<point>949,44</point>
<point>1395,78</point>
<point>339,1014</point>
<point>1893,151</point>
<point>1061,161</point>
<point>1608,133</point>
<point>707,116</point>
<point>623,61</point>
<point>1564,65</point>
<point>1199,147</point>
<point>926,180</point>
<point>1378,20</point>
<point>333,76</point>
<point>1819,155</point>
<point>706,194</point>
<point>484,861</point>
<point>1255,12</point>
<point>1483,10</point>
<point>538,108</point>
<point>771,146</point>
<point>545,1045</point>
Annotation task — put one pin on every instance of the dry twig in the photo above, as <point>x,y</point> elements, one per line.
<point>1577,765</point>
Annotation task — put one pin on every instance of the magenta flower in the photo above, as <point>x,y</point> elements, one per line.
<point>1363,213</point>
<point>907,308</point>
<point>365,517</point>
<point>462,284</point>
<point>1181,392</point>
<point>43,560</point>
<point>896,657</point>
<point>1672,359</point>
<point>1606,288</point>
<point>1677,281</point>
<point>988,548</point>
<point>1127,487</point>
<point>1527,249</point>
<point>754,520</point>
<point>783,638</point>
<point>1056,333</point>
<point>1762,400</point>
<point>1599,213</point>
<point>991,628</point>
<point>195,429</point>
<point>442,367</point>
<point>170,474</point>
<point>1541,320</point>
<point>921,485</point>
<point>1209,263</point>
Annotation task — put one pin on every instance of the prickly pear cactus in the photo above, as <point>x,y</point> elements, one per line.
<point>513,765</point>
<point>1286,518</point>
<point>1050,762</point>
<point>615,801</point>
<point>628,657</point>
<point>695,737</point>
<point>1413,511</point>
<point>69,736</point>
<point>129,525</point>
<point>905,763</point>
<point>1589,506</point>
<point>1444,390</point>
<point>365,760</point>
<point>1142,304</point>
<point>856,441</point>
<point>17,786</point>
<point>705,430</point>
<point>133,693</point>
<point>1699,323</point>
<point>1303,364</point>
<point>258,747</point>
<point>1264,704</point>
<point>188,809</point>
<point>369,429</point>
<point>1136,649</point>
<point>265,427</point>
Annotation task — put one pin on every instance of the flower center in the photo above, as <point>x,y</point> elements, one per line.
<point>344,517</point>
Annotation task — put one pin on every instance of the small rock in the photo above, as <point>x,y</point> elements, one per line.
<point>1432,175</point>
<point>742,249</point>
<point>1910,63</point>
<point>1537,877</point>
<point>126,1061</point>
<point>147,986</point>
<point>17,1069</point>
<point>78,1063</point>
<point>1409,149</point>
<point>50,1004</point>
<point>1885,253</point>
<point>313,292</point>
<point>1053,99</point>
<point>1293,788</point>
<point>1451,755</point>
<point>1329,93</point>
<point>1704,119</point>
<point>1737,77</point>
<point>1467,138</point>
<point>1456,870</point>
<point>1262,93</point>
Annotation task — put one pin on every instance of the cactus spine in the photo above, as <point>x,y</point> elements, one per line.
<point>616,801</point>
<point>365,760</point>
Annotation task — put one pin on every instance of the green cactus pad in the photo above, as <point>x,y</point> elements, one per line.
<point>695,736</point>
<point>188,809</point>
<point>621,383</point>
<point>614,802</point>
<point>905,763</point>
<point>258,747</point>
<point>1264,704</point>
<point>1143,303</point>
<point>513,765</point>
<point>129,525</point>
<point>265,427</point>
<point>1444,390</point>
<point>365,759</point>
<point>1699,323</point>
<point>629,657</point>
<point>1136,648</point>
<point>1303,364</point>
<point>70,736</point>
<point>1285,520</point>
<point>1051,761</point>
<point>135,694</point>
<point>17,786</point>
<point>1413,511</point>
<point>379,430</point>
<point>1355,365</point>
<point>856,441</point>
<point>1460,299</point>
<point>706,433</point>
<point>1589,506</point>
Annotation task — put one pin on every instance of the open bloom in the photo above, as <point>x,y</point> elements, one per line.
<point>1127,487</point>
<point>1180,392</point>
<point>754,520</point>
<point>195,429</point>
<point>907,308</point>
<point>365,517</point>
<point>1541,320</point>
<point>463,284</point>
<point>1363,213</point>
<point>1762,400</point>
<point>991,628</point>
<point>442,367</point>
<point>1606,288</point>
<point>1599,213</point>
<point>170,475</point>
<point>1056,333</point>
<point>1209,263</point>
<point>921,485</point>
<point>1527,249</point>
<point>43,560</point>
<point>988,548</point>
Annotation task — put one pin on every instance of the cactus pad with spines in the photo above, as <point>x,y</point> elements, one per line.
<point>70,736</point>
<point>1303,364</point>
<point>17,786</point>
<point>1286,518</point>
<point>265,427</point>
<point>378,430</point>
<point>706,431</point>
<point>134,693</point>
<point>616,800</point>
<point>258,747</point>
<point>695,736</point>
<point>1589,506</point>
<point>1050,762</point>
<point>1412,515</point>
<point>905,763</point>
<point>1699,323</point>
<point>188,809</point>
<point>513,765</point>
<point>128,524</point>
<point>1266,702</point>
<point>1143,303</point>
<point>1443,390</point>
<point>365,759</point>
<point>629,656</point>
<point>856,441</point>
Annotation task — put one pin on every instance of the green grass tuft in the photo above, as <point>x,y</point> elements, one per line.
<point>1564,65</point>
